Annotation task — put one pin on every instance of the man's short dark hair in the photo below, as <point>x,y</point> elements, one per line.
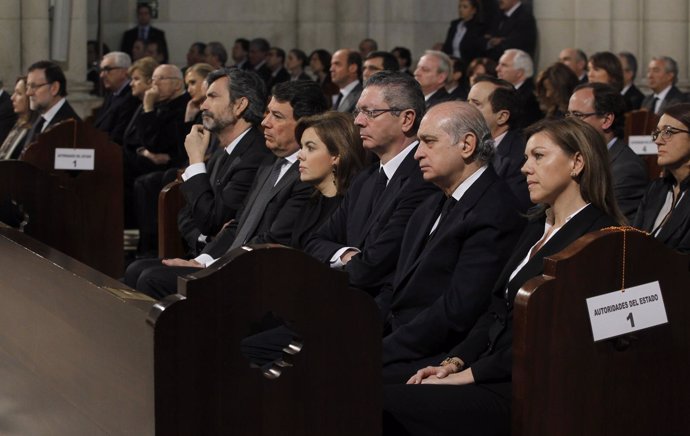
<point>631,60</point>
<point>53,73</point>
<point>260,44</point>
<point>400,90</point>
<point>217,49</point>
<point>243,42</point>
<point>390,63</point>
<point>404,53</point>
<point>607,100</point>
<point>279,52</point>
<point>141,5</point>
<point>305,97</point>
<point>504,98</point>
<point>245,84</point>
<point>199,46</point>
<point>355,58</point>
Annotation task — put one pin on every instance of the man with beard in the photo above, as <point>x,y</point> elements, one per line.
<point>234,107</point>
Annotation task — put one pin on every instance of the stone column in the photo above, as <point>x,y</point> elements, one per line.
<point>35,31</point>
<point>10,25</point>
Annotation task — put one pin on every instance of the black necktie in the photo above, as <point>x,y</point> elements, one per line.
<point>247,228</point>
<point>379,187</point>
<point>654,100</point>
<point>337,102</point>
<point>216,172</point>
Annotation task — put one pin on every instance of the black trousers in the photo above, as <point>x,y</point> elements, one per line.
<point>446,410</point>
<point>151,277</point>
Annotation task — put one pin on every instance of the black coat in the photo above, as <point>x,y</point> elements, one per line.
<point>629,178</point>
<point>674,96</point>
<point>442,286</point>
<point>676,232</point>
<point>210,203</point>
<point>64,113</point>
<point>472,44</point>
<point>519,31</point>
<point>633,99</point>
<point>7,116</point>
<point>508,160</point>
<point>376,233</point>
<point>155,34</point>
<point>116,112</point>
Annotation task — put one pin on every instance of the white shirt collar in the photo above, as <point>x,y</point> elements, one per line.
<point>499,138</point>
<point>392,165</point>
<point>50,113</point>
<point>348,88</point>
<point>292,158</point>
<point>259,65</point>
<point>518,85</point>
<point>229,149</point>
<point>465,185</point>
<point>428,96</point>
<point>625,89</point>
<point>611,142</point>
<point>1,91</point>
<point>662,95</point>
<point>512,10</point>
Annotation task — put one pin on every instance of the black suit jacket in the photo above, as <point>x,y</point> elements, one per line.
<point>155,34</point>
<point>442,286</point>
<point>519,31</point>
<point>348,103</point>
<point>674,96</point>
<point>378,233</point>
<point>633,98</point>
<point>676,232</point>
<point>212,203</point>
<point>163,129</point>
<point>439,96</point>
<point>280,77</point>
<point>487,349</point>
<point>116,112</point>
<point>531,112</point>
<point>508,160</point>
<point>629,178</point>
<point>473,43</point>
<point>64,113</point>
<point>7,116</point>
<point>278,218</point>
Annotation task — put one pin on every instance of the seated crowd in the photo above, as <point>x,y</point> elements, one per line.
<point>438,190</point>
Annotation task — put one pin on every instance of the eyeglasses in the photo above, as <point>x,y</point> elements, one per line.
<point>666,133</point>
<point>157,78</point>
<point>373,113</point>
<point>580,115</point>
<point>108,69</point>
<point>35,86</point>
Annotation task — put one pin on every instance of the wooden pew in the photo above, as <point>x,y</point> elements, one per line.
<point>334,386</point>
<point>170,202</point>
<point>642,122</point>
<point>78,358</point>
<point>76,355</point>
<point>77,212</point>
<point>566,384</point>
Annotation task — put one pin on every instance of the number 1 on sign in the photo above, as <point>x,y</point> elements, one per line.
<point>631,319</point>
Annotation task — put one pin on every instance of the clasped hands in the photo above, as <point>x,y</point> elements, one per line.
<point>442,375</point>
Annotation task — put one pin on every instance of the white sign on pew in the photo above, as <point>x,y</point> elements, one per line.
<point>642,144</point>
<point>618,313</point>
<point>81,159</point>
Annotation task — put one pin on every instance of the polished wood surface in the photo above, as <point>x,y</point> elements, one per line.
<point>170,202</point>
<point>76,354</point>
<point>642,122</point>
<point>334,387</point>
<point>566,384</point>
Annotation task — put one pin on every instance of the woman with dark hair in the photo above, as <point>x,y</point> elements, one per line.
<point>664,210</point>
<point>605,67</point>
<point>465,38</point>
<point>331,154</point>
<point>11,147</point>
<point>481,67</point>
<point>295,63</point>
<point>568,176</point>
<point>554,87</point>
<point>320,64</point>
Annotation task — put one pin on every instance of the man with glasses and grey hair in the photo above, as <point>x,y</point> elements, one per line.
<point>364,234</point>
<point>455,244</point>
<point>602,107</point>
<point>662,77</point>
<point>119,104</point>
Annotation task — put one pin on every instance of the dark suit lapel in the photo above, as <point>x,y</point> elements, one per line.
<point>262,175</point>
<point>615,150</point>
<point>677,221</point>
<point>579,223</point>
<point>236,155</point>
<point>395,185</point>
